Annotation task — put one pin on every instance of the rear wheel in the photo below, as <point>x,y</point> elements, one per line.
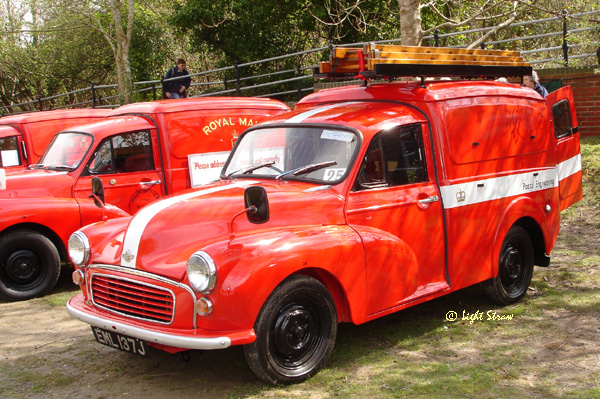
<point>515,268</point>
<point>295,332</point>
<point>29,265</point>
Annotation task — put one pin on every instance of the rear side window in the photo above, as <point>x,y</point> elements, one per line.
<point>9,152</point>
<point>561,113</point>
<point>394,158</point>
<point>124,153</point>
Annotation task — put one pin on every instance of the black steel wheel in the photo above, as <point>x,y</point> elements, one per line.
<point>295,332</point>
<point>29,265</point>
<point>515,268</point>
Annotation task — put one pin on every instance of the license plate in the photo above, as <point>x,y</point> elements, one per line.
<point>120,341</point>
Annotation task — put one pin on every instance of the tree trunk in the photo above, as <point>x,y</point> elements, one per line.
<point>410,22</point>
<point>121,49</point>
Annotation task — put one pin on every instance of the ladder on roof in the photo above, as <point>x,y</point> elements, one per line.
<point>377,61</point>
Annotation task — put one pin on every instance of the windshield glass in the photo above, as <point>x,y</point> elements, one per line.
<point>318,154</point>
<point>66,151</point>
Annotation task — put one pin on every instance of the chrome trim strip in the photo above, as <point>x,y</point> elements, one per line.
<point>141,273</point>
<point>148,335</point>
<point>112,276</point>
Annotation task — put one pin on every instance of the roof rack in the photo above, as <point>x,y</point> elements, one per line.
<point>376,61</point>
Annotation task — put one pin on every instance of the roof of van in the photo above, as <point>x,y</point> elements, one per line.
<point>414,91</point>
<point>39,116</point>
<point>186,104</point>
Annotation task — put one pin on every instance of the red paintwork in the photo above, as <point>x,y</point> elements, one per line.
<point>33,131</point>
<point>57,202</point>
<point>377,251</point>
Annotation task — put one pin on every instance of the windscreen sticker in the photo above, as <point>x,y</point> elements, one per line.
<point>337,135</point>
<point>333,174</point>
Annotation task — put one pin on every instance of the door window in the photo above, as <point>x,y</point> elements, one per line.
<point>124,153</point>
<point>394,158</point>
<point>9,152</point>
<point>561,114</point>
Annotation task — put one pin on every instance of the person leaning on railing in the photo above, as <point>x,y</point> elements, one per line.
<point>176,88</point>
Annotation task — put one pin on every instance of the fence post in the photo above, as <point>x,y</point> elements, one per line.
<point>154,91</point>
<point>93,96</point>
<point>237,79</point>
<point>436,38</point>
<point>299,81</point>
<point>40,103</point>
<point>565,45</point>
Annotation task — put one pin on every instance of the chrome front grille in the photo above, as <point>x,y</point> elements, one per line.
<point>132,298</point>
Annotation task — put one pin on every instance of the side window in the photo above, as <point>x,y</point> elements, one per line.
<point>9,152</point>
<point>124,153</point>
<point>561,114</point>
<point>394,158</point>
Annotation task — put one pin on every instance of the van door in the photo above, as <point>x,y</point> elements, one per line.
<point>129,171</point>
<point>568,153</point>
<point>395,206</point>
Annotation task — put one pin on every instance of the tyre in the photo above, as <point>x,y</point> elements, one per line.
<point>515,268</point>
<point>295,332</point>
<point>29,265</point>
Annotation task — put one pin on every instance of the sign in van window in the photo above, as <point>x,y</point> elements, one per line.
<point>205,168</point>
<point>9,153</point>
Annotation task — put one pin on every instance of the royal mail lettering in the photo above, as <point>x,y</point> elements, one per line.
<point>362,201</point>
<point>229,121</point>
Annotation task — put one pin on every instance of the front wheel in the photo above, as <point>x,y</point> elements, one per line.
<point>29,265</point>
<point>515,268</point>
<point>295,332</point>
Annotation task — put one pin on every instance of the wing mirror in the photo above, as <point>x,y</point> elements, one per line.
<point>257,203</point>
<point>97,192</point>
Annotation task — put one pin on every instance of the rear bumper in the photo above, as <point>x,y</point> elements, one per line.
<point>193,339</point>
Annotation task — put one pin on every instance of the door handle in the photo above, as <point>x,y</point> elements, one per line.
<point>433,198</point>
<point>147,184</point>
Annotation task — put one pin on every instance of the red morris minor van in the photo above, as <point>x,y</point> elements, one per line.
<point>361,202</point>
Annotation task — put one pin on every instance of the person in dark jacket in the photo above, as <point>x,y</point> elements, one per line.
<point>176,88</point>
<point>532,81</point>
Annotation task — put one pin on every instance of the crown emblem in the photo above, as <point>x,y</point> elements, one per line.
<point>460,196</point>
<point>128,256</point>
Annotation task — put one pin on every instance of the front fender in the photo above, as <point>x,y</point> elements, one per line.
<point>249,268</point>
<point>60,215</point>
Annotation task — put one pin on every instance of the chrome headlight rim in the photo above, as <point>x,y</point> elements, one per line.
<point>79,258</point>
<point>201,272</point>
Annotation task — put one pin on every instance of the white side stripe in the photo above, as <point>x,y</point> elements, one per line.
<point>138,223</point>
<point>569,167</point>
<point>474,192</point>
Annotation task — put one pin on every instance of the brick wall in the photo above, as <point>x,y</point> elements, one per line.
<point>586,91</point>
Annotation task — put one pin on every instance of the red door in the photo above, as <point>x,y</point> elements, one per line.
<point>568,153</point>
<point>127,166</point>
<point>396,208</point>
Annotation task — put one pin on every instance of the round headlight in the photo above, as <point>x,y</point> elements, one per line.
<point>79,248</point>
<point>201,272</point>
